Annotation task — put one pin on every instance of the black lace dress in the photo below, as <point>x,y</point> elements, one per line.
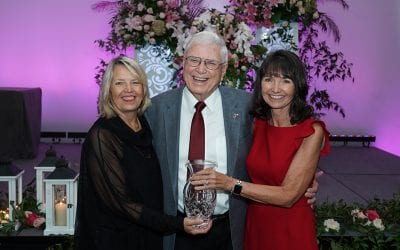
<point>120,196</point>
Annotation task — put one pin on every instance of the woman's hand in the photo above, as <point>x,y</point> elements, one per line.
<point>211,179</point>
<point>191,226</point>
<point>312,191</point>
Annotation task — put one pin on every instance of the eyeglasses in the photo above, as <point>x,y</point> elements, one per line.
<point>195,61</point>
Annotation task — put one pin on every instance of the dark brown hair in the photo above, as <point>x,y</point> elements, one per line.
<point>289,65</point>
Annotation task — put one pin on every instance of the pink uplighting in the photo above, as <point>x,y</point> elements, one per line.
<point>50,44</point>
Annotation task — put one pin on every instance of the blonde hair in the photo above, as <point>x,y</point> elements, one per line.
<point>105,106</point>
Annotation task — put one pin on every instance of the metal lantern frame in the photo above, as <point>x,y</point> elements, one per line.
<point>47,165</point>
<point>13,176</point>
<point>61,176</point>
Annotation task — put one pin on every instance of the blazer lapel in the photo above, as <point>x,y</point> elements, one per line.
<point>232,120</point>
<point>171,120</point>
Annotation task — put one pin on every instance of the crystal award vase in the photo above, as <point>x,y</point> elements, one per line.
<point>199,203</point>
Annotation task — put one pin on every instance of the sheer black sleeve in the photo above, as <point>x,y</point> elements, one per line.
<point>103,152</point>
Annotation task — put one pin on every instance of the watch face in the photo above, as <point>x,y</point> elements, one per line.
<point>237,189</point>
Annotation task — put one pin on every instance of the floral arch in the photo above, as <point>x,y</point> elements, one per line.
<point>168,23</point>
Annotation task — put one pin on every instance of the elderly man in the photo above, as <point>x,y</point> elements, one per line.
<point>228,135</point>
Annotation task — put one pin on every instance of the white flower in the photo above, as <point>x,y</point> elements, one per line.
<point>150,10</point>
<point>152,41</point>
<point>184,9</point>
<point>378,224</point>
<point>204,18</point>
<point>140,7</point>
<point>235,57</point>
<point>301,11</point>
<point>315,15</point>
<point>331,224</point>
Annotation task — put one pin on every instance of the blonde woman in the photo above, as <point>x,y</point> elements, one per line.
<point>120,195</point>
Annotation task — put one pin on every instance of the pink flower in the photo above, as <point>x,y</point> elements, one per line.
<point>372,215</point>
<point>148,18</point>
<point>38,222</point>
<point>160,3</point>
<point>140,7</point>
<point>133,22</point>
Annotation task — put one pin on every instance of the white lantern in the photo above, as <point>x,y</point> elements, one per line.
<point>48,164</point>
<point>61,196</point>
<point>13,176</point>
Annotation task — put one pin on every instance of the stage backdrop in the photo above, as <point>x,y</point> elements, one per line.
<point>50,44</point>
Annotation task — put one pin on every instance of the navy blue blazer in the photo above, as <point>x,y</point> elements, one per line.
<point>164,119</point>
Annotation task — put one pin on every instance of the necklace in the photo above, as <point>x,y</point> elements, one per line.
<point>136,126</point>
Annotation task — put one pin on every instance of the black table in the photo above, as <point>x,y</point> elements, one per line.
<point>20,122</point>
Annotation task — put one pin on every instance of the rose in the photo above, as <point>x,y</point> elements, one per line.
<point>372,215</point>
<point>33,219</point>
<point>331,224</point>
<point>158,26</point>
<point>30,217</point>
<point>38,222</point>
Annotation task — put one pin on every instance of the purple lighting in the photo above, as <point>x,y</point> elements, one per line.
<point>50,44</point>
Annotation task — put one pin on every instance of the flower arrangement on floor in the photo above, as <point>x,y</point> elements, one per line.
<point>374,225</point>
<point>27,214</point>
<point>168,23</point>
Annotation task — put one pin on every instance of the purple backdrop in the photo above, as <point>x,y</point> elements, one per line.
<point>50,44</point>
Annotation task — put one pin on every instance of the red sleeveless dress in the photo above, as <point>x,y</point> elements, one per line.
<point>269,226</point>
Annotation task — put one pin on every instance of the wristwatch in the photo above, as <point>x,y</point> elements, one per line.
<point>237,189</point>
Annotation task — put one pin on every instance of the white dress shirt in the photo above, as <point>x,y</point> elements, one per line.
<point>215,148</point>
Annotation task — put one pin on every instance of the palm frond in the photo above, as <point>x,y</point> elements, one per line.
<point>328,25</point>
<point>342,2</point>
<point>105,6</point>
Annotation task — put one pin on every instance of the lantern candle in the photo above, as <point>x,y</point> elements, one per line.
<point>61,214</point>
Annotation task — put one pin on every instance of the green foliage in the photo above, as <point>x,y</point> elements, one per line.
<point>355,233</point>
<point>19,220</point>
<point>320,62</point>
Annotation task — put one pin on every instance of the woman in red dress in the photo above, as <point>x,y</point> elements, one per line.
<point>287,144</point>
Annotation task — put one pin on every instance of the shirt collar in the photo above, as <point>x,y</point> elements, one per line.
<point>211,101</point>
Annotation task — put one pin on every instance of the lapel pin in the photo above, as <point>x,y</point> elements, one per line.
<point>235,116</point>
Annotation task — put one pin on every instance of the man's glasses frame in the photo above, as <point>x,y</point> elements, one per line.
<point>210,64</point>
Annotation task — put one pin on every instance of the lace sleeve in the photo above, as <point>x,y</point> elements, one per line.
<point>102,158</point>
